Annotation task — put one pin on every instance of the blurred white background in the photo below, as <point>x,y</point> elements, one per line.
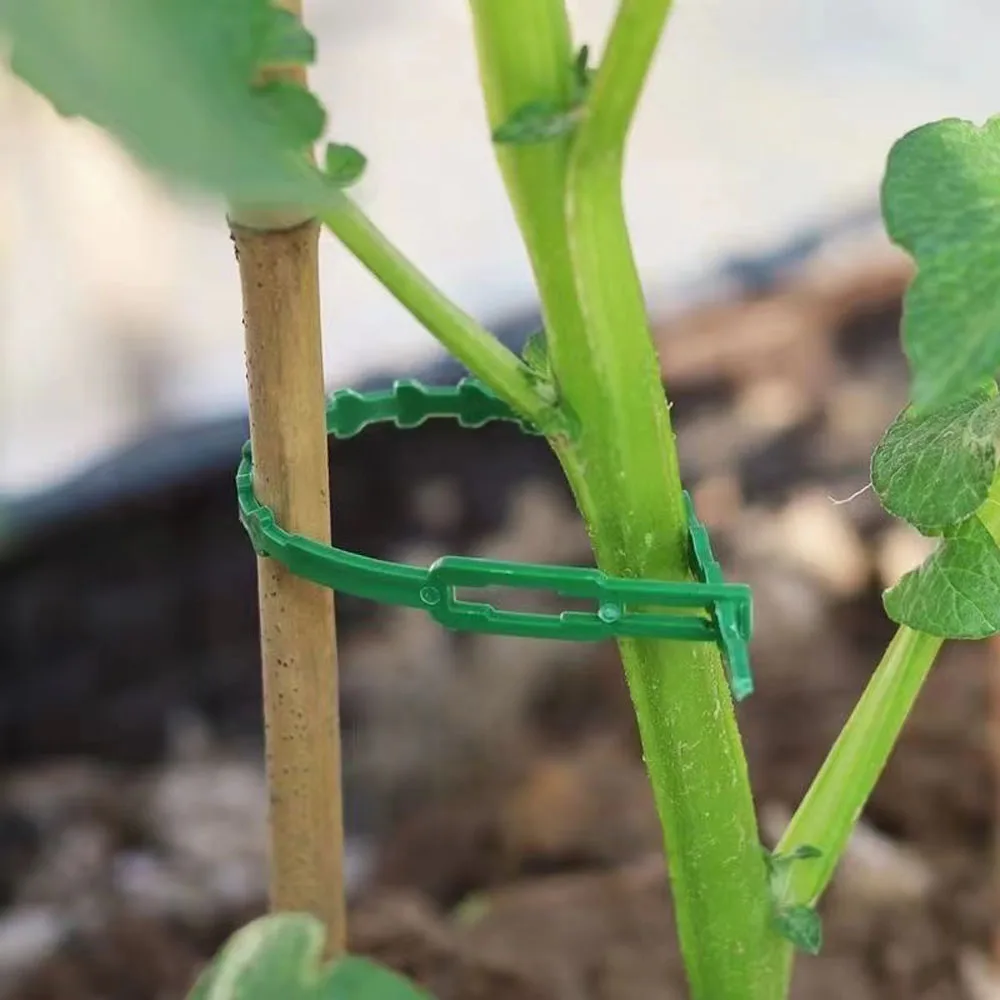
<point>119,304</point>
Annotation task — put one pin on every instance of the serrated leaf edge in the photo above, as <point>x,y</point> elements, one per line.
<point>914,574</point>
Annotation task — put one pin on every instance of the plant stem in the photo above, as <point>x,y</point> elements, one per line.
<point>831,808</point>
<point>622,466</point>
<point>464,338</point>
<point>279,273</point>
<point>518,66</point>
<point>685,715</point>
<point>619,342</point>
<point>833,804</point>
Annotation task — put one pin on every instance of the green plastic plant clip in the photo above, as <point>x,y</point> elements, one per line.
<point>409,403</point>
<point>733,619</point>
<point>708,610</point>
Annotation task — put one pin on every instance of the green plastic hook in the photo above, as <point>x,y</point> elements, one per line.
<point>623,607</point>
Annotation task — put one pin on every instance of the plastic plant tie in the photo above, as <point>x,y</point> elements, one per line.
<point>624,607</point>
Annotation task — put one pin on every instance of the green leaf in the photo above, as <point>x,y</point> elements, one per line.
<point>802,926</point>
<point>539,121</point>
<point>956,592</point>
<point>344,164</point>
<point>281,956</point>
<point>941,203</point>
<point>535,355</point>
<point>286,42</point>
<point>934,470</point>
<point>804,852</point>
<point>174,83</point>
<point>358,979</point>
<point>583,75</point>
<point>295,112</point>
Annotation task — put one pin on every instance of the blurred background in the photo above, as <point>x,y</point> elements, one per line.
<point>120,304</point>
<point>501,838</point>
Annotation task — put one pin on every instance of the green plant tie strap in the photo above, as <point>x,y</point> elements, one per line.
<point>651,609</point>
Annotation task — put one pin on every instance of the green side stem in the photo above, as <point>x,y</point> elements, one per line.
<point>621,461</point>
<point>830,810</point>
<point>476,348</point>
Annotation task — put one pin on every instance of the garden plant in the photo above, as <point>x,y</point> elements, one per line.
<point>212,95</point>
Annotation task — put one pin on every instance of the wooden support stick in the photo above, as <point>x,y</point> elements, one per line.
<point>279,272</point>
<point>298,647</point>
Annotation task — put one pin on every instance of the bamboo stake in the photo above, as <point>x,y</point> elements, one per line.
<point>279,273</point>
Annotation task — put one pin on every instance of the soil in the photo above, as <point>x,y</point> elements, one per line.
<point>496,785</point>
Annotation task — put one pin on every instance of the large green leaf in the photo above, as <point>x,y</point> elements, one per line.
<point>279,957</point>
<point>956,592</point>
<point>934,470</point>
<point>173,82</point>
<point>941,203</point>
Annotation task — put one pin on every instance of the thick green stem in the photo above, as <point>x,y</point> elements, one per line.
<point>618,336</point>
<point>475,347</point>
<point>685,715</point>
<point>621,461</point>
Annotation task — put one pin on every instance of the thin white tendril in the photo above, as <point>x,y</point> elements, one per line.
<point>853,496</point>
